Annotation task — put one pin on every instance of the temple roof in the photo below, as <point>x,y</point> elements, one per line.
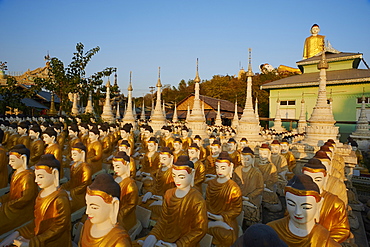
<point>331,57</point>
<point>346,76</point>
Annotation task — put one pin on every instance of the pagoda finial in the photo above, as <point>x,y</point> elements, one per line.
<point>250,72</point>
<point>130,84</point>
<point>159,84</point>
<point>323,64</point>
<point>197,78</point>
<point>108,83</point>
<point>115,79</point>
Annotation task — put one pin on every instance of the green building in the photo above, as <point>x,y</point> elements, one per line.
<point>346,84</point>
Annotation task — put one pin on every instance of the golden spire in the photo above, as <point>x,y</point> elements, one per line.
<point>197,78</point>
<point>250,72</point>
<point>159,84</point>
<point>130,85</point>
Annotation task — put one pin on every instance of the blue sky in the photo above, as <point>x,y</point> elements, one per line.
<point>140,36</point>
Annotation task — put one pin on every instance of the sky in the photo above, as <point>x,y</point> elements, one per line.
<point>142,35</point>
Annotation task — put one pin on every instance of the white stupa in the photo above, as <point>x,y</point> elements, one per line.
<point>277,120</point>
<point>218,121</point>
<point>129,115</point>
<point>174,117</point>
<point>107,115</point>
<point>74,105</point>
<point>302,123</point>
<point>89,108</point>
<point>362,133</point>
<point>235,121</point>
<point>157,120</point>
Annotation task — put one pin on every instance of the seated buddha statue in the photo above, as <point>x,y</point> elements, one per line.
<point>37,145</point>
<point>279,160</point>
<point>167,137</point>
<point>304,203</point>
<point>224,203</point>
<point>52,223</point>
<point>291,161</point>
<point>242,144</point>
<point>233,152</point>
<point>101,228</point>
<point>129,196</point>
<point>178,149</point>
<point>333,213</point>
<point>250,181</point>
<point>210,161</point>
<point>333,171</point>
<point>337,159</point>
<point>106,141</point>
<point>200,170</point>
<point>270,178</point>
<point>49,137</point>
<point>94,151</point>
<point>203,152</point>
<point>125,146</point>
<point>125,134</point>
<point>80,177</point>
<point>186,140</point>
<point>24,138</point>
<point>314,44</point>
<point>183,220</point>
<point>150,161</point>
<point>17,206</point>
<point>84,133</point>
<point>4,161</point>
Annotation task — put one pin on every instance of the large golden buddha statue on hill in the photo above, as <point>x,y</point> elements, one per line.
<point>313,44</point>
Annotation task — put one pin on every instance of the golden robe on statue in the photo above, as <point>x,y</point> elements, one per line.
<point>80,179</point>
<point>337,187</point>
<point>199,177</point>
<point>183,220</point>
<point>52,223</point>
<point>313,45</point>
<point>270,179</point>
<point>94,156</point>
<point>225,200</point>
<point>128,201</point>
<point>210,164</point>
<point>318,236</point>
<point>4,161</point>
<point>117,237</point>
<point>57,152</point>
<point>150,164</point>
<point>333,216</point>
<point>18,205</point>
<point>36,150</point>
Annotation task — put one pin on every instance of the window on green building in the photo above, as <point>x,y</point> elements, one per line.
<point>367,100</point>
<point>287,102</point>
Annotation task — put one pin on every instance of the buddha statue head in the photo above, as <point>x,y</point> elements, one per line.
<point>19,156</point>
<point>102,200</point>
<point>94,134</point>
<point>211,139</point>
<point>247,157</point>
<point>264,152</point>
<point>124,146</point>
<point>183,172</point>
<point>103,130</point>
<point>166,157</point>
<point>47,172</point>
<point>177,145</point>
<point>152,144</point>
<point>148,132</point>
<point>73,130</point>
<point>275,147</point>
<point>194,152</point>
<point>198,140</point>
<point>325,160</point>
<point>22,128</point>
<point>303,204</point>
<point>231,145</point>
<point>327,150</point>
<point>315,29</point>
<point>121,165</point>
<point>333,144</point>
<point>317,171</point>
<point>34,132</point>
<point>83,127</point>
<point>184,132</point>
<point>78,152</point>
<point>215,148</point>
<point>224,167</point>
<point>284,146</point>
<point>243,143</point>
<point>49,135</point>
<point>167,131</point>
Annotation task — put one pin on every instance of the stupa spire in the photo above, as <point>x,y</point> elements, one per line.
<point>158,119</point>
<point>302,123</point>
<point>142,116</point>
<point>129,116</point>
<point>218,121</point>
<point>174,117</point>
<point>107,115</point>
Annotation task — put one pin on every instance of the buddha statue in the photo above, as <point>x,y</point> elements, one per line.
<point>242,144</point>
<point>94,151</point>
<point>161,181</point>
<point>12,140</point>
<point>203,152</point>
<point>314,44</point>
<point>178,149</point>
<point>210,161</point>
<point>52,147</point>
<point>211,139</point>
<point>224,203</point>
<point>125,146</point>
<point>84,133</point>
<point>61,134</point>
<point>233,152</point>
<point>52,223</point>
<point>333,171</point>
<point>106,142</point>
<point>129,196</point>
<point>281,165</point>
<point>250,181</point>
<point>80,177</point>
<point>4,161</point>
<point>23,135</point>
<point>333,213</point>
<point>186,140</point>
<point>304,203</point>
<point>150,161</point>
<point>147,133</point>
<point>270,178</point>
<point>167,137</point>
<point>37,145</point>
<point>101,228</point>
<point>291,161</point>
<point>200,170</point>
<point>125,133</point>
<point>337,159</point>
<point>17,206</point>
<point>183,220</point>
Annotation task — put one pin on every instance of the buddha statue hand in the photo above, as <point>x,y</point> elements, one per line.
<point>267,190</point>
<point>215,216</point>
<point>146,197</point>
<point>10,239</point>
<point>161,243</point>
<point>219,224</point>
<point>156,197</point>
<point>249,204</point>
<point>150,241</point>
<point>245,198</point>
<point>69,195</point>
<point>21,242</point>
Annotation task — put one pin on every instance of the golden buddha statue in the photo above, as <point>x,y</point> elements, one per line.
<point>183,220</point>
<point>314,44</point>
<point>224,203</point>
<point>185,139</point>
<point>126,135</point>
<point>167,138</point>
<point>250,181</point>
<point>233,152</point>
<point>52,223</point>
<point>4,161</point>
<point>106,142</point>
<point>333,171</point>
<point>279,161</point>
<point>211,139</point>
<point>333,213</point>
<point>23,135</point>
<point>125,146</point>
<point>270,178</point>
<point>84,133</point>
<point>337,159</point>
<point>150,162</point>
<point>129,192</point>
<point>242,144</point>
<point>13,136</point>
<point>61,134</point>
<point>94,151</point>
<point>16,207</point>
<point>80,177</point>
<point>299,228</point>
<point>37,145</point>
<point>178,149</point>
<point>52,147</point>
<point>200,170</point>
<point>291,161</point>
<point>203,152</point>
<point>210,161</point>
<point>101,228</point>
